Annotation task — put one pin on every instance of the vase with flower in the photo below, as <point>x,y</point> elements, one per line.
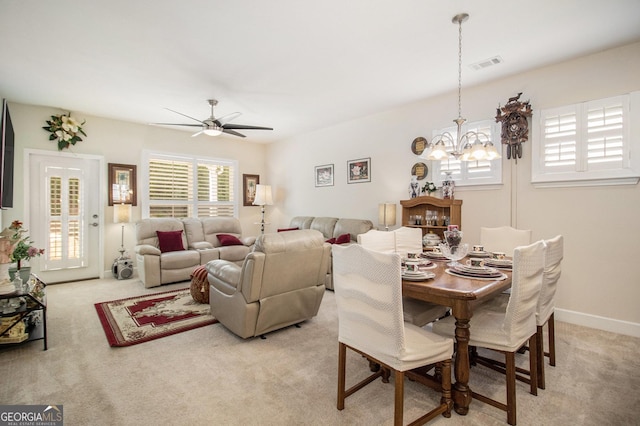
<point>23,251</point>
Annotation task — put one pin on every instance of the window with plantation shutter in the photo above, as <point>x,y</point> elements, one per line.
<point>470,173</point>
<point>586,144</point>
<point>185,186</point>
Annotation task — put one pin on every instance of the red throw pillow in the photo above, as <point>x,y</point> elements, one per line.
<point>331,241</point>
<point>170,241</point>
<point>343,239</point>
<point>288,229</point>
<point>228,240</point>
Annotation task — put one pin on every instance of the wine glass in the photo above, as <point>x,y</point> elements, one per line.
<point>454,253</point>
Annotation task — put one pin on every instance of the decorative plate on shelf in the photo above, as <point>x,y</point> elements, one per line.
<point>420,170</point>
<point>418,145</point>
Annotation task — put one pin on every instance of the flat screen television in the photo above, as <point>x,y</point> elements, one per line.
<point>6,157</point>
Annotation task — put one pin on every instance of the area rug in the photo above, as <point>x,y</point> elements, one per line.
<point>139,319</point>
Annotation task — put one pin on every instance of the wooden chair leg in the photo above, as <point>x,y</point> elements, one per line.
<point>540,355</point>
<point>399,398</point>
<point>445,380</point>
<point>551,325</point>
<point>533,364</point>
<point>342,358</point>
<point>510,362</point>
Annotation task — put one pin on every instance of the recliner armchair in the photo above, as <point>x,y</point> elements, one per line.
<point>280,283</point>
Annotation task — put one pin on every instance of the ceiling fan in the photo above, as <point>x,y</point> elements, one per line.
<point>213,126</point>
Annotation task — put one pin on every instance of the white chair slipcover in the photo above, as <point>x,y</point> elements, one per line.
<point>368,289</point>
<point>504,238</point>
<point>402,241</point>
<point>508,329</point>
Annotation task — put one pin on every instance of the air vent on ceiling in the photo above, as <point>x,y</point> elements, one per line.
<point>487,63</point>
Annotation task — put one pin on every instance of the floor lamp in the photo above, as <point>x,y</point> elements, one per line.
<point>263,198</point>
<point>387,215</point>
<point>122,214</point>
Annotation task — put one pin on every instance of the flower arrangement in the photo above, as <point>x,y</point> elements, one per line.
<point>65,129</point>
<point>429,187</point>
<point>23,249</point>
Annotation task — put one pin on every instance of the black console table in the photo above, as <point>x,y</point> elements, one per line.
<point>23,315</point>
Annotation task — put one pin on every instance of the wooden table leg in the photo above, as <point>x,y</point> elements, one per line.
<point>461,392</point>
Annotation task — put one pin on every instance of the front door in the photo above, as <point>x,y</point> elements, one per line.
<point>65,215</point>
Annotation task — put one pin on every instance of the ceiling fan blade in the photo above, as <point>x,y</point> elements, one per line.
<point>226,118</point>
<point>196,134</point>
<point>184,115</point>
<point>176,124</point>
<point>242,126</point>
<point>232,132</point>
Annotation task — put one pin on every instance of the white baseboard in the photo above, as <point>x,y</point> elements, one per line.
<point>601,323</point>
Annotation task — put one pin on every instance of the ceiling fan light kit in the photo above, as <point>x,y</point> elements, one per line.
<point>470,146</point>
<point>213,126</point>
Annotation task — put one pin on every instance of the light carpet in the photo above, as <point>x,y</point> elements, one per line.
<point>209,376</point>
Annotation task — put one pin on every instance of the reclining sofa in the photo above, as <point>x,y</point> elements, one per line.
<point>335,231</point>
<point>169,249</point>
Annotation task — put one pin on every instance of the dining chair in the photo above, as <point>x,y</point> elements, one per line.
<point>504,238</point>
<point>402,241</point>
<point>553,255</point>
<point>368,290</point>
<point>508,330</point>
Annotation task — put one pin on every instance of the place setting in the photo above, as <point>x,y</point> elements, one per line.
<point>412,271</point>
<point>477,269</point>
<point>479,251</point>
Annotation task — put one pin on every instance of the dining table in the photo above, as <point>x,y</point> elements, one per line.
<point>461,294</point>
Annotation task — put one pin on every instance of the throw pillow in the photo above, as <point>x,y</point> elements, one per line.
<point>331,241</point>
<point>288,229</point>
<point>228,240</point>
<point>343,239</point>
<point>170,241</point>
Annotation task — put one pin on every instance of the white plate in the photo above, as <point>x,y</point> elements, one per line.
<point>412,272</point>
<point>479,254</point>
<point>423,276</point>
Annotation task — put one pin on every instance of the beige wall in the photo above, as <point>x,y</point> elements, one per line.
<point>122,142</point>
<point>599,287</point>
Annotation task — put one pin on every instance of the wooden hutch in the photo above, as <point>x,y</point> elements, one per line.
<point>451,208</point>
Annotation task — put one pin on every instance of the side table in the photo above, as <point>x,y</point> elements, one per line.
<point>23,315</point>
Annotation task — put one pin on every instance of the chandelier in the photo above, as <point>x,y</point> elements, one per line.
<point>470,146</point>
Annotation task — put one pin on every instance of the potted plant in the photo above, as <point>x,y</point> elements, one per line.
<point>22,251</point>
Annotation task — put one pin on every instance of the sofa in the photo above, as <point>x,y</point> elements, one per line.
<point>334,230</point>
<point>280,283</point>
<point>169,249</point>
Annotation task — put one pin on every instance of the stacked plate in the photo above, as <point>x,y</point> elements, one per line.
<point>499,263</point>
<point>479,254</point>
<point>477,272</point>
<point>434,255</point>
<point>417,276</point>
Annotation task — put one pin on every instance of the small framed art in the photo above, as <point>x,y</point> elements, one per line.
<point>122,184</point>
<point>249,183</point>
<point>359,170</point>
<point>324,175</point>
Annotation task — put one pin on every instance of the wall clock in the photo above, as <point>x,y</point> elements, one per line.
<point>515,126</point>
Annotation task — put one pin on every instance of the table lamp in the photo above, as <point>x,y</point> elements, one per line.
<point>387,215</point>
<point>263,198</point>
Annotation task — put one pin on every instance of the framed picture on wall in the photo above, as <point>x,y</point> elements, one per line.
<point>359,171</point>
<point>249,183</point>
<point>324,175</point>
<point>122,184</point>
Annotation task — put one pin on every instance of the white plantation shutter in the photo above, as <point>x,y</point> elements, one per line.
<point>466,173</point>
<point>182,186</point>
<point>587,142</point>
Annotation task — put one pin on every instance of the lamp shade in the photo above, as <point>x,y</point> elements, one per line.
<point>263,195</point>
<point>122,213</point>
<point>387,214</point>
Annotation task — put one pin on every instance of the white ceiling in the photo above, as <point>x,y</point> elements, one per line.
<point>294,65</point>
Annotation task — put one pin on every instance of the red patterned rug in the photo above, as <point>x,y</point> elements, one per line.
<point>140,319</point>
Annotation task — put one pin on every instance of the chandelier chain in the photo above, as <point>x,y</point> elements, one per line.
<point>460,68</point>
